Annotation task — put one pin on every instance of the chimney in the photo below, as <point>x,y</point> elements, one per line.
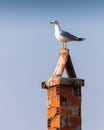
<point>64,96</point>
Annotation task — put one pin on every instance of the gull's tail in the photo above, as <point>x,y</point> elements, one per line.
<point>81,39</point>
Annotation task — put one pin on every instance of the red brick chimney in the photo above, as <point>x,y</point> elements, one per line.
<point>64,96</point>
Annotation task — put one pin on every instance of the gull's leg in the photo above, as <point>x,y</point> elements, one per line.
<point>63,44</point>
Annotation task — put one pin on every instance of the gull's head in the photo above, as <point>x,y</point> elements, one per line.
<point>55,22</point>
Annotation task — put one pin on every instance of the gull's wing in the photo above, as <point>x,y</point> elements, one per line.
<point>69,36</point>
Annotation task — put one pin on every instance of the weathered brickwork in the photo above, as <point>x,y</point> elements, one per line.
<point>64,108</point>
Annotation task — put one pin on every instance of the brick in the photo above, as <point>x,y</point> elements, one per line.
<point>67,91</point>
<point>51,92</point>
<point>66,112</point>
<point>75,121</point>
<point>65,121</point>
<point>55,102</point>
<point>74,101</point>
<point>51,112</point>
<point>56,122</point>
<point>52,128</point>
<point>66,128</point>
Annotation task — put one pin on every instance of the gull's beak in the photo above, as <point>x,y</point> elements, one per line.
<point>51,22</point>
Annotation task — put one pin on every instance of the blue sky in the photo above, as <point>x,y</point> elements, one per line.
<point>29,53</point>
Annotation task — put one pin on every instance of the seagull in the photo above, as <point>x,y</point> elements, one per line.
<point>62,35</point>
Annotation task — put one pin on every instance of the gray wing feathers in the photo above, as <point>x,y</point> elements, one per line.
<point>69,36</point>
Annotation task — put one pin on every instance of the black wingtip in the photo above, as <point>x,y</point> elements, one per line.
<point>81,39</point>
